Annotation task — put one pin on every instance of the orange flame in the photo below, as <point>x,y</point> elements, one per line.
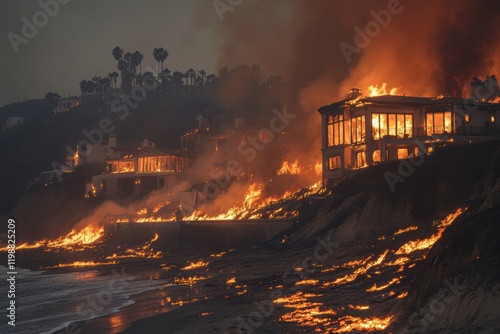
<point>381,90</point>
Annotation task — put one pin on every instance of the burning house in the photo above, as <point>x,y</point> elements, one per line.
<point>362,131</point>
<point>139,172</point>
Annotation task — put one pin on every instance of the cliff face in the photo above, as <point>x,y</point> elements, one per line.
<point>456,288</point>
<point>366,205</point>
<point>459,283</point>
<point>52,211</point>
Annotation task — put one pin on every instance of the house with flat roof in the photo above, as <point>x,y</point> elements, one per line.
<point>363,131</point>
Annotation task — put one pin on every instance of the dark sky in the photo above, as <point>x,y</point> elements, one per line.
<point>76,43</point>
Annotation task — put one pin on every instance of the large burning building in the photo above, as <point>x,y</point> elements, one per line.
<point>362,131</point>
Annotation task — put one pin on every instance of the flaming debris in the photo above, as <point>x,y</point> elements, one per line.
<point>145,251</point>
<point>195,265</point>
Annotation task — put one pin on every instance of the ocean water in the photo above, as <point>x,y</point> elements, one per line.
<point>48,302</point>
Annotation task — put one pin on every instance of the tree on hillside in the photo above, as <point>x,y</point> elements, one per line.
<point>53,99</point>
<point>192,75</point>
<point>177,81</point>
<point>164,77</point>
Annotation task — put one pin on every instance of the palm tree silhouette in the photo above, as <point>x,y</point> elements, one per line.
<point>137,57</point>
<point>160,54</point>
<point>113,76</point>
<point>117,53</point>
<point>202,73</point>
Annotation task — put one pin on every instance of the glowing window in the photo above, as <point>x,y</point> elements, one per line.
<point>402,153</point>
<point>439,122</point>
<point>361,159</point>
<point>334,163</point>
<point>376,156</point>
<point>358,129</point>
<point>335,130</point>
<point>492,119</point>
<point>398,125</point>
<point>467,118</point>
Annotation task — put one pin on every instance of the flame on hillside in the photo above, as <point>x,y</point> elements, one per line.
<point>415,245</point>
<point>72,241</point>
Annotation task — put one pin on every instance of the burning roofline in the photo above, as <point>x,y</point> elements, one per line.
<point>400,100</point>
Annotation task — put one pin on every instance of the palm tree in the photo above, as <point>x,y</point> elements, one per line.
<point>192,75</point>
<point>177,79</point>
<point>202,73</point>
<point>113,76</point>
<point>117,53</point>
<point>160,54</point>
<point>137,57</point>
<point>165,75</point>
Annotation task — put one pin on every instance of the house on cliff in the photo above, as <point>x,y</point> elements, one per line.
<point>139,171</point>
<point>362,131</point>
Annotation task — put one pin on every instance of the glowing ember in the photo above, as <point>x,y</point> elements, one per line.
<point>403,295</point>
<point>382,287</point>
<point>231,281</point>
<point>307,282</point>
<point>189,280</point>
<point>349,324</point>
<point>360,271</point>
<point>146,251</point>
<point>415,245</point>
<point>77,264</point>
<point>221,254</point>
<point>411,228</point>
<point>305,312</point>
<point>195,265</point>
<point>377,90</point>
